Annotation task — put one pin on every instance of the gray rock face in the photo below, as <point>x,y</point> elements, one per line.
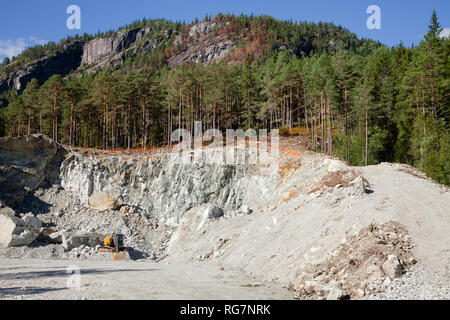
<point>104,52</point>
<point>163,188</point>
<point>25,164</point>
<point>213,52</point>
<point>110,53</point>
<point>66,59</point>
<point>15,232</point>
<point>193,221</point>
<point>202,28</point>
<point>100,49</point>
<point>201,47</point>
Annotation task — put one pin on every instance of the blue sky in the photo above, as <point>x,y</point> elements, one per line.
<point>28,22</point>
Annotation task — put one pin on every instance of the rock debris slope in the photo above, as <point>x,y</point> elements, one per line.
<point>323,229</point>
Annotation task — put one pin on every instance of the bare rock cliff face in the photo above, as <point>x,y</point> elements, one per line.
<point>162,187</point>
<point>27,163</point>
<point>65,60</point>
<point>98,50</point>
<point>199,44</point>
<point>103,52</point>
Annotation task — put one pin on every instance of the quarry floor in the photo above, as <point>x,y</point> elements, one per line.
<point>36,279</point>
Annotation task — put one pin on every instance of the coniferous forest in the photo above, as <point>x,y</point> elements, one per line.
<point>356,99</point>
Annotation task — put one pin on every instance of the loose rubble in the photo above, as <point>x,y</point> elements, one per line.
<point>365,264</point>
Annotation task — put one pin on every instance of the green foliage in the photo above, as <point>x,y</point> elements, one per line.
<point>324,80</point>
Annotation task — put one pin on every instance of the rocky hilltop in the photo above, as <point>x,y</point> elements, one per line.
<point>64,61</point>
<point>201,42</point>
<point>111,52</point>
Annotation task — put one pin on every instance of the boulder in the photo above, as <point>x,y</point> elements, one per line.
<point>15,232</point>
<point>35,222</point>
<point>392,267</point>
<point>78,239</point>
<point>102,201</point>
<point>360,185</point>
<point>7,211</point>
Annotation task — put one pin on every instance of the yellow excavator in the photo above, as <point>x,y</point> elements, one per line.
<point>114,245</point>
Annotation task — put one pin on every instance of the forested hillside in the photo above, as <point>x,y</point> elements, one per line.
<point>356,99</point>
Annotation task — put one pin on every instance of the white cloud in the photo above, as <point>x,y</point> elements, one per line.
<point>445,33</point>
<point>11,48</point>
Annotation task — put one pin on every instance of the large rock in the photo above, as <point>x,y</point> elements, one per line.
<point>35,222</point>
<point>102,201</point>
<point>74,240</point>
<point>360,185</point>
<point>15,232</point>
<point>27,163</point>
<point>7,211</point>
<point>392,267</point>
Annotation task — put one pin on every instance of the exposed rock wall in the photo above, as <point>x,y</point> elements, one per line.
<point>26,163</point>
<point>162,187</point>
<point>110,53</point>
<point>97,50</point>
<point>70,57</point>
<point>65,60</point>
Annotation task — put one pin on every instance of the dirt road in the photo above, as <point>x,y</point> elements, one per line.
<point>47,279</point>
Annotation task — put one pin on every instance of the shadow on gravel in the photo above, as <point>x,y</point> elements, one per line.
<point>21,291</point>
<point>35,205</point>
<point>63,273</point>
<point>136,254</point>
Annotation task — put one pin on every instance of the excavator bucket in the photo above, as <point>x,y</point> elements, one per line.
<point>122,255</point>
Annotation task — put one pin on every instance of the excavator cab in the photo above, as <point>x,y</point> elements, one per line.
<point>114,244</point>
<point>118,242</point>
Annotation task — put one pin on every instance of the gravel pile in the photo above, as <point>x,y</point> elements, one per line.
<point>417,284</point>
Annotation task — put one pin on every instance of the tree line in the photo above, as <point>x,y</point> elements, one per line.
<point>383,104</point>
